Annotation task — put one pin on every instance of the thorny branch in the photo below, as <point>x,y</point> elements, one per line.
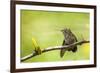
<point>54,48</point>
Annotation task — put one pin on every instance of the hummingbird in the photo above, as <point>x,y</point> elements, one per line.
<point>69,38</point>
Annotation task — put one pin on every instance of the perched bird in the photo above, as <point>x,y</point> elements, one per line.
<point>36,46</point>
<point>69,38</point>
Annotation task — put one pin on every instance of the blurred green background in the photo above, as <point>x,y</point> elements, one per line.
<point>45,27</point>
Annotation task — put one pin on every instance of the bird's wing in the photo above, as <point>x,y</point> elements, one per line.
<point>62,50</point>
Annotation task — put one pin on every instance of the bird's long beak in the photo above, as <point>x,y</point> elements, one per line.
<point>61,30</point>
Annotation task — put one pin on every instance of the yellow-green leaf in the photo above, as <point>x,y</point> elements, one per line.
<point>34,42</point>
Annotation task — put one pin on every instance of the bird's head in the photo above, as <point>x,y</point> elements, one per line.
<point>66,30</point>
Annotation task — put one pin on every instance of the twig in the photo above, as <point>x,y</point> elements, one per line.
<point>53,48</point>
